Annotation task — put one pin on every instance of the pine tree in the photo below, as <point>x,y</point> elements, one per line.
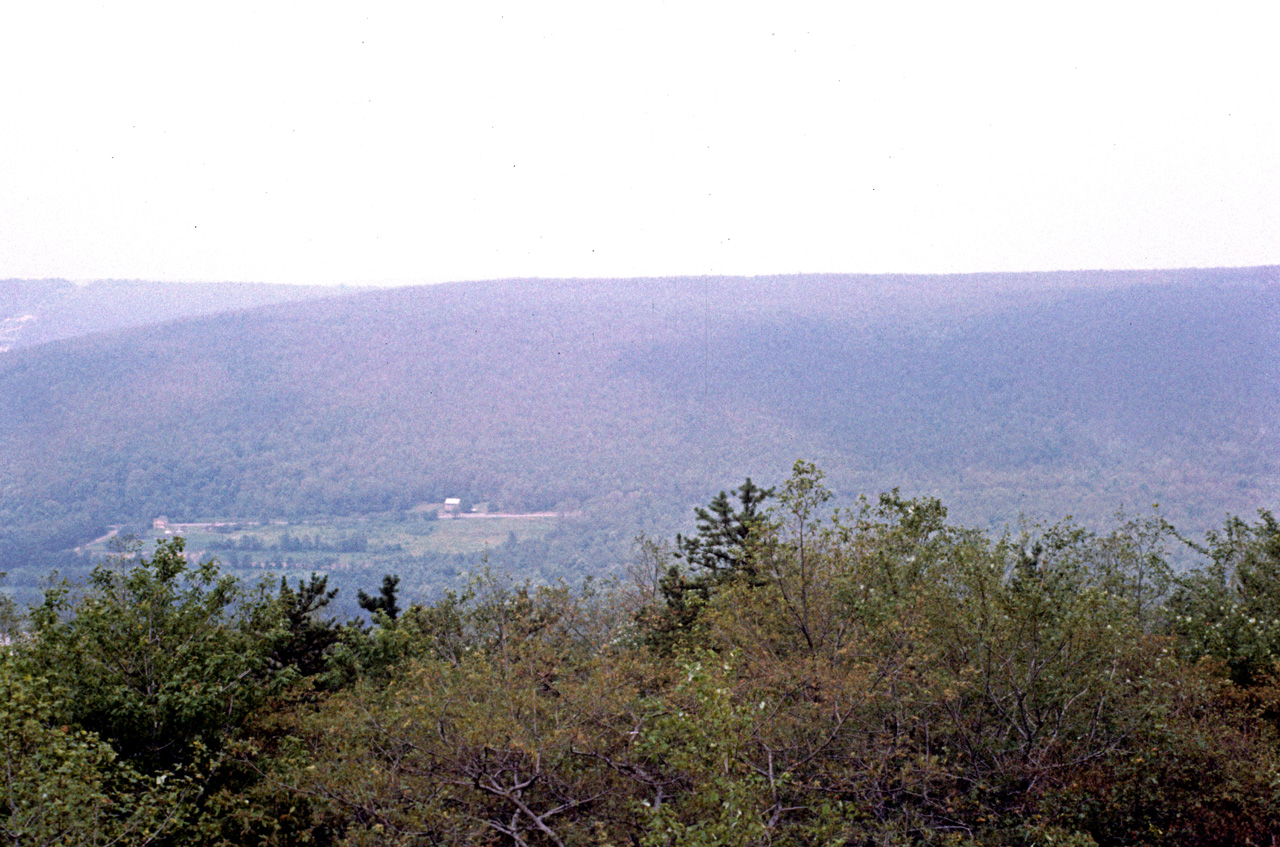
<point>385,601</point>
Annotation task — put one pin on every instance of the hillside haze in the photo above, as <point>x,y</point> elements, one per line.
<point>36,311</point>
<point>632,400</point>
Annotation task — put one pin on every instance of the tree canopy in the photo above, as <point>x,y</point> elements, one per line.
<point>866,674</point>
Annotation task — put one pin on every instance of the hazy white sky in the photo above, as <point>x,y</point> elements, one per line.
<point>405,142</point>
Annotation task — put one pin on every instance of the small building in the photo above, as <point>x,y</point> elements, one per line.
<point>452,506</point>
<point>161,522</point>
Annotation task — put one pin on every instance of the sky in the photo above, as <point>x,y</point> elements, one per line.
<point>395,143</point>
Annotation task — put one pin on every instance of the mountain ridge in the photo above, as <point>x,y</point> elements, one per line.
<point>633,399</point>
<point>39,311</point>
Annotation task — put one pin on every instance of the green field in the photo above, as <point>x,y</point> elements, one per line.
<point>430,555</point>
<point>345,542</point>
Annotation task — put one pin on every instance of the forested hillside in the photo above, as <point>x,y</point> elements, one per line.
<point>629,400</point>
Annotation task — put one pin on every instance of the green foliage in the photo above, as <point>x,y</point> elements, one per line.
<point>721,551</point>
<point>722,546</point>
<point>942,682</point>
<point>481,733</point>
<point>61,785</point>
<point>308,638</point>
<point>697,734</point>
<point>872,676</point>
<point>385,602</point>
<point>10,617</point>
<point>160,658</point>
<point>1230,610</point>
<point>880,677</point>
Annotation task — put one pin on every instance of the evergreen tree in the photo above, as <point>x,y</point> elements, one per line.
<point>720,551</point>
<point>309,636</point>
<point>722,544</point>
<point>385,601</point>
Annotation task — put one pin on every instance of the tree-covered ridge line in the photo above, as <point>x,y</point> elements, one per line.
<point>41,311</point>
<point>787,673</point>
<point>633,400</point>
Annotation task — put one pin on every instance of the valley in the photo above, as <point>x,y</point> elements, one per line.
<point>625,403</point>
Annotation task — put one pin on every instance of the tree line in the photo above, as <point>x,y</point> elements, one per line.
<point>789,673</point>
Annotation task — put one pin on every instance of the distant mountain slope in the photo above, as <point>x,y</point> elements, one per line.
<point>38,311</point>
<point>1054,393</point>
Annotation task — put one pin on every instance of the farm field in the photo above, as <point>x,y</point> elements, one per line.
<point>431,555</point>
<point>345,542</point>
